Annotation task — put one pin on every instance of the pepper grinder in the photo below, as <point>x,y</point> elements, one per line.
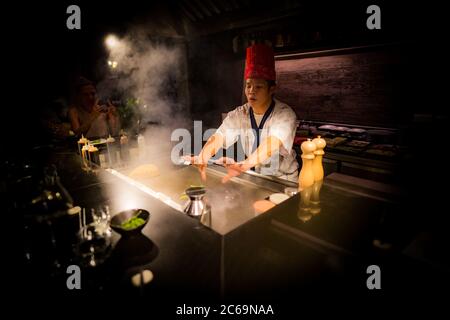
<point>317,162</point>
<point>306,177</point>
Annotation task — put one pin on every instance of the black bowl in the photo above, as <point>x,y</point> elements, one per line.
<point>121,217</point>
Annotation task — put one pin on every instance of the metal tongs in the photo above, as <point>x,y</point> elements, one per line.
<point>185,162</point>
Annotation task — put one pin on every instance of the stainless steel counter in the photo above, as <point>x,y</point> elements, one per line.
<point>231,203</point>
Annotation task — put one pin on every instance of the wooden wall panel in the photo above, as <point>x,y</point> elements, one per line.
<point>355,88</point>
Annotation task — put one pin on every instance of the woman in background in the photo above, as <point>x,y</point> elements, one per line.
<point>89,118</point>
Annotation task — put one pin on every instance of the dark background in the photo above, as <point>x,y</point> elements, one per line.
<point>50,56</point>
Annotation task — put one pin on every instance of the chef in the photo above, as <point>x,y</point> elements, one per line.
<point>266,126</point>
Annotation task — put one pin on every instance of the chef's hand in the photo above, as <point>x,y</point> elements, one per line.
<point>197,162</point>
<point>234,169</point>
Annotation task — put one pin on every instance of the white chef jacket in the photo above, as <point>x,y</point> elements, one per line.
<point>282,124</point>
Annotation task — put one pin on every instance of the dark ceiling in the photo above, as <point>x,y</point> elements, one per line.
<point>50,55</point>
<point>189,19</point>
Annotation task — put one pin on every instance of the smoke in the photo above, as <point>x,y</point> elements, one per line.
<point>149,75</point>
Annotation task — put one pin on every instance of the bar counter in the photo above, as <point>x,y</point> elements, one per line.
<point>324,244</point>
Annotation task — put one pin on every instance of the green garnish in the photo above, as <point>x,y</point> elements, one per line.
<point>132,223</point>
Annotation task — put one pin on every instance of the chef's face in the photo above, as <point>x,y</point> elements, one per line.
<point>88,96</point>
<point>258,92</point>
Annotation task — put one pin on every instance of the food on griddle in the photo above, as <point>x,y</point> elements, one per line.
<point>145,171</point>
<point>132,223</point>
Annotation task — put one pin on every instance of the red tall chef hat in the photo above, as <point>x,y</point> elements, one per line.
<point>260,62</point>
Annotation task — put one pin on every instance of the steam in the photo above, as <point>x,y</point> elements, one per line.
<point>150,74</point>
